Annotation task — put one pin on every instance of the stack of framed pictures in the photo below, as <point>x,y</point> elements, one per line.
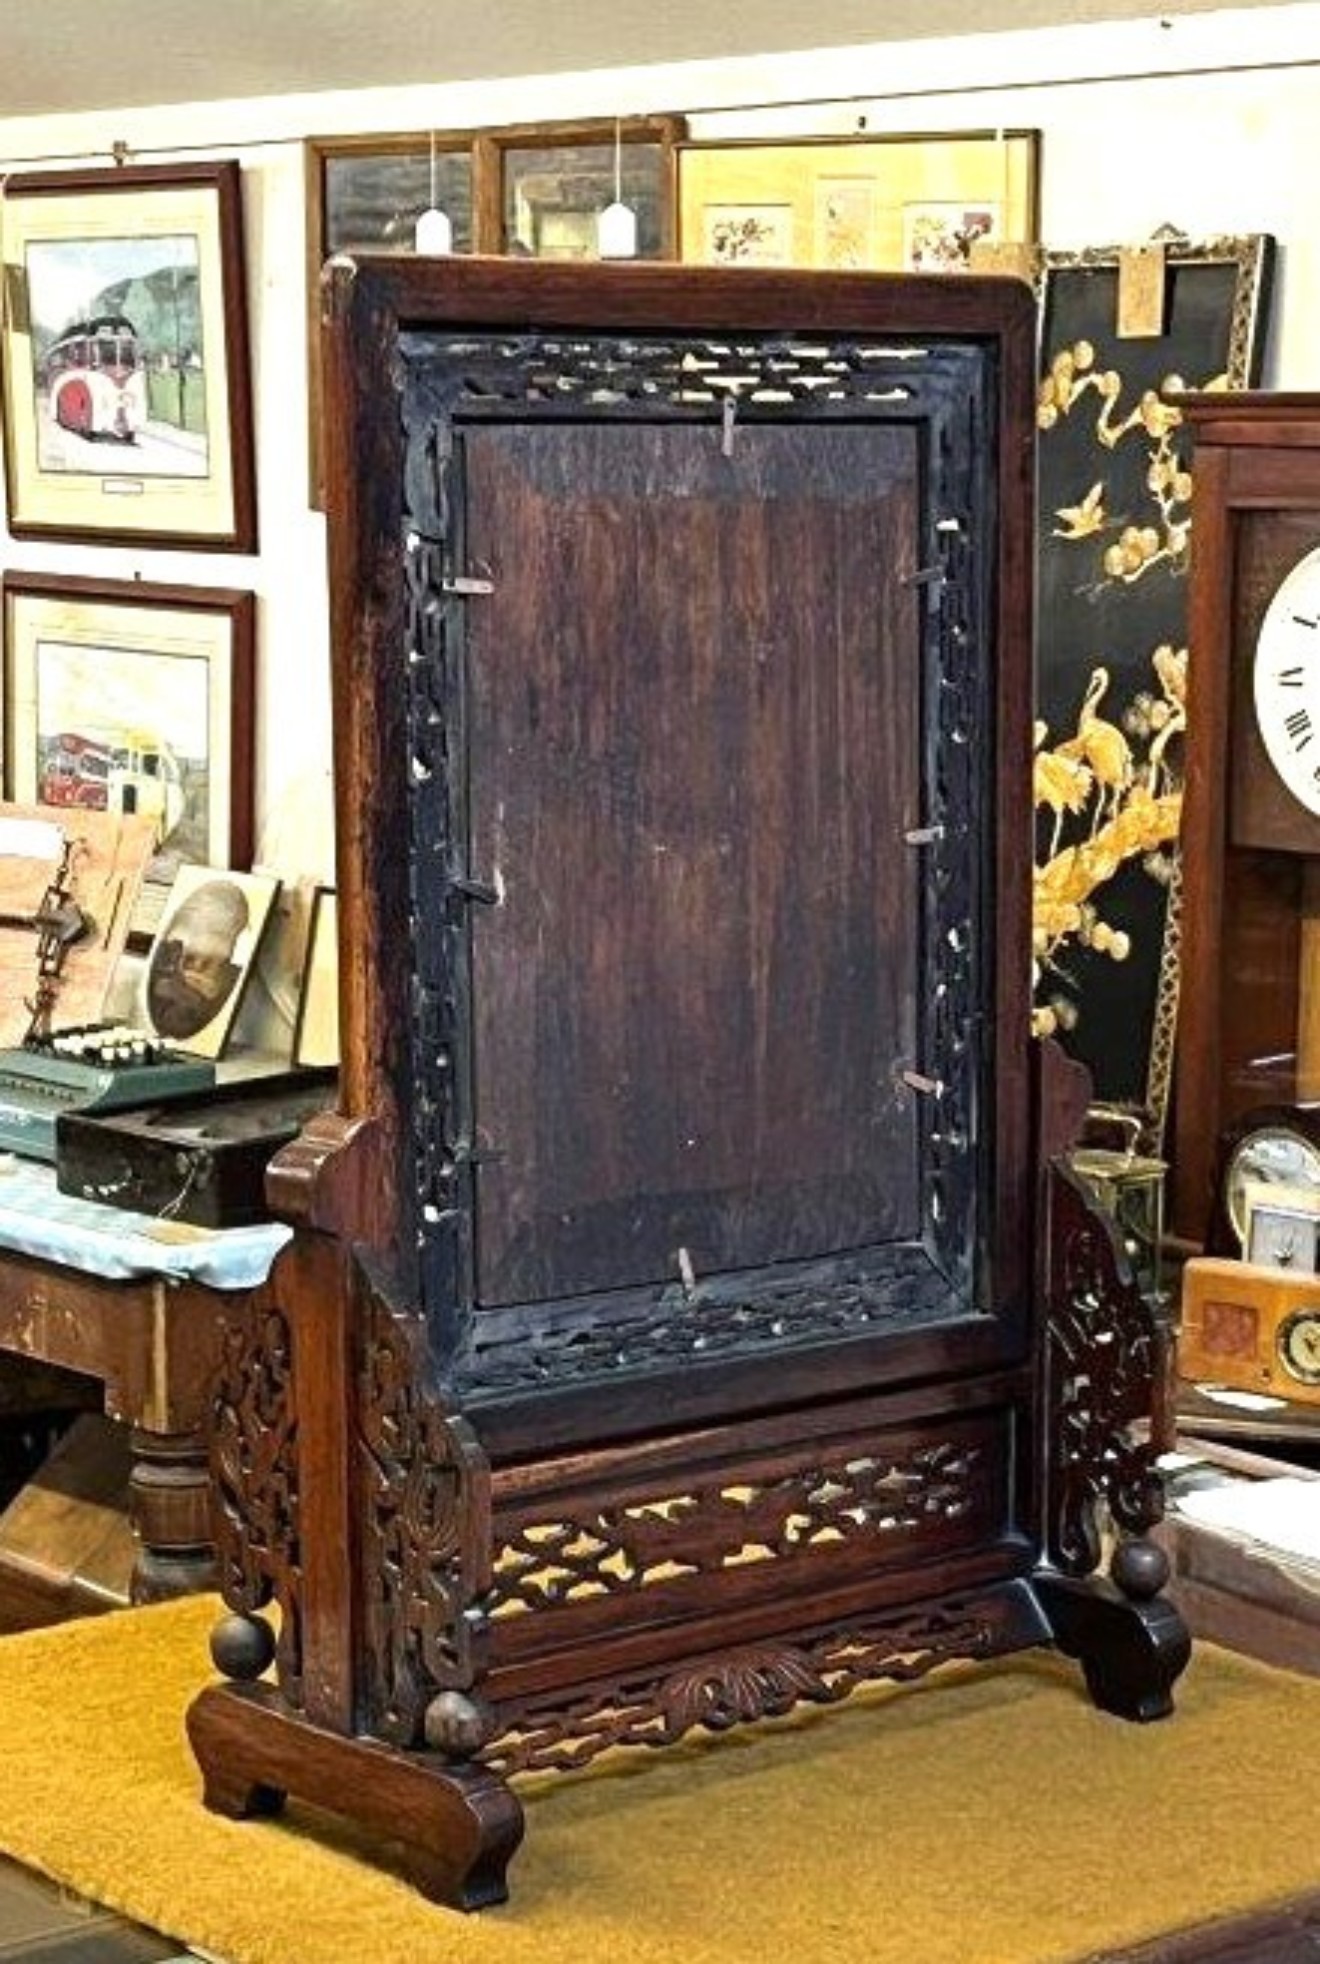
<point>127,420</point>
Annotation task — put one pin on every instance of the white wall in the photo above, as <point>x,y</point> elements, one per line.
<point>1207,122</point>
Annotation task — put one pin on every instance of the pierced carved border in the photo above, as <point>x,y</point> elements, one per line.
<point>452,379</point>
<point>885,1497</point>
<point>754,1681</point>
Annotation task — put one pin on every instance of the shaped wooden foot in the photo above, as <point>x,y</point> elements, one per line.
<point>1131,1642</point>
<point>459,1825</point>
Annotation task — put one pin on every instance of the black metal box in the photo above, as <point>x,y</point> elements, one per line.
<point>200,1159</point>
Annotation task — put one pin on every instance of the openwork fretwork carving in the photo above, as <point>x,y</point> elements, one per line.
<point>719,1524</point>
<point>753,1682</point>
<point>254,1473</point>
<point>903,1286</point>
<point>454,381</point>
<point>426,1528</point>
<point>1101,1355</point>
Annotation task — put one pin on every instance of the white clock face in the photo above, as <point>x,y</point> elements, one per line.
<point>1287,681</point>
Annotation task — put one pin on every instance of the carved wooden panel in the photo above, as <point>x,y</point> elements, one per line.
<point>749,1515</point>
<point>1103,1356</point>
<point>256,1478</point>
<point>749,1682</point>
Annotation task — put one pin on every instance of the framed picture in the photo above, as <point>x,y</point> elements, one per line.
<point>127,396</point>
<point>532,190</point>
<point>888,203</point>
<point>366,193</point>
<point>202,955</point>
<point>137,698</point>
<point>316,1034</point>
<point>524,188</point>
<point>1114,536</point>
<point>556,181</point>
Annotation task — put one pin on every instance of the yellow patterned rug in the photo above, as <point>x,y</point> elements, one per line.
<point>987,1815</point>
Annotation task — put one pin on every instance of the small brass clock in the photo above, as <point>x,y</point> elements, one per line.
<point>1298,1341</point>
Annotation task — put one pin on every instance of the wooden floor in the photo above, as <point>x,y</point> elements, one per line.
<point>41,1924</point>
<point>38,1920</point>
<point>1287,1936</point>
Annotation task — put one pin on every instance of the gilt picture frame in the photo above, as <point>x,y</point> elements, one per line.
<point>1116,516</point>
<point>891,203</point>
<point>134,696</point>
<point>127,393</point>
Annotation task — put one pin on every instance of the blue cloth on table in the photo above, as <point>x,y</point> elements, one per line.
<point>37,1219</point>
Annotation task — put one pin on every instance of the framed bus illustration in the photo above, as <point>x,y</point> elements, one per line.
<point>138,697</point>
<point>127,395</point>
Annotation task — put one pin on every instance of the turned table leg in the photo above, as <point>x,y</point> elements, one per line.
<point>170,1504</point>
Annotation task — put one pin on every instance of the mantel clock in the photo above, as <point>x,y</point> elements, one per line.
<point>1249,1016</point>
<point>689,1313</point>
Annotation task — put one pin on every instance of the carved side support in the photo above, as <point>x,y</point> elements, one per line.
<point>255,1481</point>
<point>426,1525</point>
<point>1102,1354</point>
<point>367,1519</point>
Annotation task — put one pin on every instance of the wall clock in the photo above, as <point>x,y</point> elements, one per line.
<point>1249,1022</point>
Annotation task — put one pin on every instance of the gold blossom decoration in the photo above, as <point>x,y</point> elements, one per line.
<point>1154,419</point>
<point>1105,794</point>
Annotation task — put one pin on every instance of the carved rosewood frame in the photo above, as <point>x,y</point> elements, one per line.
<point>506,1538</point>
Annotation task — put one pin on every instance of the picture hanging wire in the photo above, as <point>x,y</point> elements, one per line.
<point>434,234</point>
<point>616,228</point>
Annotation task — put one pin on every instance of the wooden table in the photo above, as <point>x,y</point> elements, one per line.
<point>1286,1426</point>
<point>1239,1592</point>
<point>152,1344</point>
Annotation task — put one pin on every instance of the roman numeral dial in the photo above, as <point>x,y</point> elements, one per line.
<point>1286,681</point>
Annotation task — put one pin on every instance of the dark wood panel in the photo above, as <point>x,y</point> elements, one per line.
<point>1261,944</point>
<point>693,762</point>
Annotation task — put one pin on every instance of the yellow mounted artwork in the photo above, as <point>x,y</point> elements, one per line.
<point>889,203</point>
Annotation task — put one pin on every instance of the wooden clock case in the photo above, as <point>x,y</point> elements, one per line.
<point>1249,1010</point>
<point>683,1319</point>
